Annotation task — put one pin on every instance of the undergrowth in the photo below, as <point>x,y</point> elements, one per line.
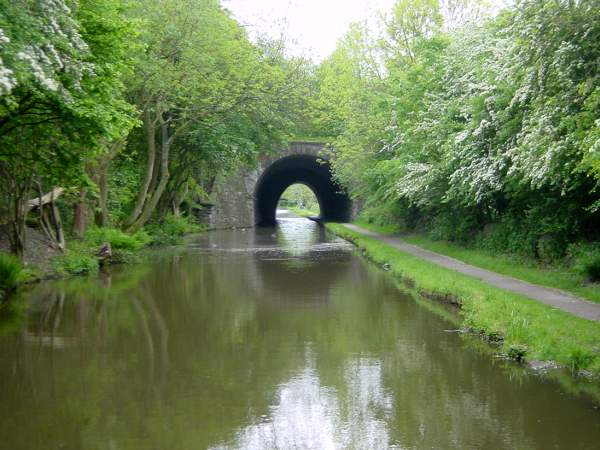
<point>171,229</point>
<point>11,271</point>
<point>81,256</point>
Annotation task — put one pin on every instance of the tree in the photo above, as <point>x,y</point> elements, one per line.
<point>59,99</point>
<point>409,22</point>
<point>206,94</point>
<point>466,126</point>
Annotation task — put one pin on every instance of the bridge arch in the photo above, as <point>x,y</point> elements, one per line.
<point>306,169</point>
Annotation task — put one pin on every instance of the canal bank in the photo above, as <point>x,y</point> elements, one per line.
<point>525,329</point>
<point>99,247</point>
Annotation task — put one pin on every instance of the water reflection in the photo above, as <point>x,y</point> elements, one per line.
<point>252,340</point>
<point>307,414</point>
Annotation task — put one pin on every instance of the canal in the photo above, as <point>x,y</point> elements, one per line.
<point>269,338</point>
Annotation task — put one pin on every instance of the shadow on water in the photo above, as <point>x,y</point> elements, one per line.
<point>269,338</point>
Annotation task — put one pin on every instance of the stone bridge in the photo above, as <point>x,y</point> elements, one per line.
<point>250,197</point>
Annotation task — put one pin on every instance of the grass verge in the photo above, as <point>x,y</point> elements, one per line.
<point>303,212</point>
<point>555,277</point>
<point>524,328</point>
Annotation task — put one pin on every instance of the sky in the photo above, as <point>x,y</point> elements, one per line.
<point>314,26</point>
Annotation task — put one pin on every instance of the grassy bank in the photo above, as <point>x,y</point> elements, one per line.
<point>558,276</point>
<point>303,212</point>
<point>524,328</point>
<point>11,274</point>
<point>82,257</point>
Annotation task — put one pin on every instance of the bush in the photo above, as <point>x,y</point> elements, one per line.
<point>455,226</point>
<point>585,258</point>
<point>529,234</point>
<point>74,262</point>
<point>123,245</point>
<point>390,217</point>
<point>170,230</point>
<point>80,256</point>
<point>591,268</point>
<point>10,273</point>
<point>117,239</point>
<point>509,236</point>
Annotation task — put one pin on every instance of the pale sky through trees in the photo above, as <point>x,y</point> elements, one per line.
<point>314,25</point>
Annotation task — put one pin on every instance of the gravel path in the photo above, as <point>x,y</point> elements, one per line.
<point>552,297</point>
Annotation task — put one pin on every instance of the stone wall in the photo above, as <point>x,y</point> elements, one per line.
<point>233,199</point>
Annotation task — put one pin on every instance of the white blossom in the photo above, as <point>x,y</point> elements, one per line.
<point>4,39</point>
<point>460,137</point>
<point>7,79</point>
<point>32,57</point>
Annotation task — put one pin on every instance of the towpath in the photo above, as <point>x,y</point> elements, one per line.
<point>550,296</point>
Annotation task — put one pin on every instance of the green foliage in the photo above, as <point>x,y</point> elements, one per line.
<point>124,246</point>
<point>303,212</point>
<point>301,197</point>
<point>580,359</point>
<point>62,96</point>
<point>383,218</point>
<point>484,134</point>
<point>591,268</point>
<point>586,260</point>
<point>211,100</point>
<point>118,240</point>
<point>171,229</point>
<point>517,352</point>
<point>63,66</point>
<point>80,257</point>
<point>10,273</point>
<point>76,261</point>
<point>134,106</point>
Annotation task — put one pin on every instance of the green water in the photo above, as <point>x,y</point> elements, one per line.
<point>275,338</point>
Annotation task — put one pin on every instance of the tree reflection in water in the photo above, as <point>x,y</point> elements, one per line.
<point>247,339</point>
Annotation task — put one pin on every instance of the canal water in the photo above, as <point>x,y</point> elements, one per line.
<point>273,338</point>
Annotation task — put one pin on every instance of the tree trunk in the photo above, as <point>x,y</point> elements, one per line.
<point>100,177</point>
<point>43,199</point>
<point>58,228</point>
<point>17,230</point>
<point>178,199</point>
<point>80,215</point>
<point>16,223</point>
<point>101,216</point>
<point>150,205</point>
<point>150,131</point>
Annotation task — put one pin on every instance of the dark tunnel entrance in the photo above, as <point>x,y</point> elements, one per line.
<point>335,204</point>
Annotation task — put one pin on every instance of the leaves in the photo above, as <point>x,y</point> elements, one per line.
<point>482,119</point>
